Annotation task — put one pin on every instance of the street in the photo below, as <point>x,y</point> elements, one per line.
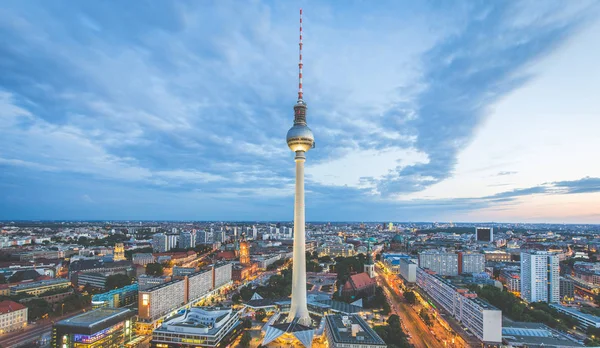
<point>422,336</point>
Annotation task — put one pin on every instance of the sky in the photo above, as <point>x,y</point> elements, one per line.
<point>422,110</point>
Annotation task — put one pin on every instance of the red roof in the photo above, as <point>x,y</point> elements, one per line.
<point>226,255</point>
<point>362,280</point>
<point>10,306</point>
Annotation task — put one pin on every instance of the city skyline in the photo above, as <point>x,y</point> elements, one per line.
<point>461,112</point>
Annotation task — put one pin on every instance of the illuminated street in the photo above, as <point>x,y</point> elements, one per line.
<point>421,335</point>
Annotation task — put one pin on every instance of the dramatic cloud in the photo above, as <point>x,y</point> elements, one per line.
<point>179,110</point>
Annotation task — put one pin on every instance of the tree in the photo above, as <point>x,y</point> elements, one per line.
<point>247,323</point>
<point>245,340</point>
<point>260,315</point>
<point>237,298</point>
<point>116,281</point>
<point>37,308</point>
<point>410,297</point>
<point>154,269</point>
<point>425,316</point>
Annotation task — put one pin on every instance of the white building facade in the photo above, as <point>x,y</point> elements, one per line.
<point>540,277</point>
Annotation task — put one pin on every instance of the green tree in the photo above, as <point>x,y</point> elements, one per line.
<point>245,340</point>
<point>37,308</point>
<point>410,297</point>
<point>425,316</point>
<point>247,323</point>
<point>154,269</point>
<point>260,315</point>
<point>237,298</point>
<point>117,281</point>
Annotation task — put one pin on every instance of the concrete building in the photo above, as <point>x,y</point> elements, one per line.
<point>222,274</point>
<point>350,331</point>
<point>567,289</point>
<point>143,259</point>
<point>13,316</point>
<point>116,298</point>
<point>187,240</point>
<point>159,243</point>
<point>512,281</point>
<point>484,234</point>
<point>197,326</point>
<point>199,284</point>
<point>172,241</point>
<point>146,281</point>
<point>102,327</point>
<point>496,256</point>
<point>179,271</point>
<point>39,287</point>
<point>584,321</point>
<point>408,270</point>
<point>481,318</point>
<point>442,263</point>
<point>540,277</point>
<point>155,302</point>
<point>470,262</point>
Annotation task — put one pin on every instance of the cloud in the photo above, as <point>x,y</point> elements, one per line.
<point>506,173</point>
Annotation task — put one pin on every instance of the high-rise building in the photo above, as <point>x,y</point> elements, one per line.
<point>172,240</point>
<point>254,233</point>
<point>469,262</point>
<point>119,252</point>
<point>540,278</point>
<point>159,243</point>
<point>442,263</point>
<point>484,234</point>
<point>186,240</point>
<point>408,270</point>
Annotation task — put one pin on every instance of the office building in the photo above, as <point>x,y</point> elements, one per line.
<point>440,262</point>
<point>179,271</point>
<point>584,321</point>
<point>484,234</point>
<point>350,331</point>
<point>102,327</point>
<point>199,284</point>
<point>219,236</point>
<point>143,259</point>
<point>222,274</point>
<point>116,298</point>
<point>535,335</point>
<point>13,316</point>
<point>172,241</point>
<point>159,243</point>
<point>408,270</point>
<point>512,281</point>
<point>567,289</point>
<point>197,326</point>
<point>481,318</point>
<point>39,287</point>
<point>187,240</point>
<point>93,279</point>
<point>496,256</point>
<point>155,302</point>
<point>145,281</point>
<point>469,262</point>
<point>540,277</point>
<point>254,233</point>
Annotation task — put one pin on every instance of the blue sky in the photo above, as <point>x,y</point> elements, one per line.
<point>422,111</point>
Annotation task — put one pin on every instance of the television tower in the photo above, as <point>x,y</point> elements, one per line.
<point>299,139</point>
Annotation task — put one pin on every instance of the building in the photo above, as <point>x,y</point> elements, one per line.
<point>116,298</point>
<point>535,335</point>
<point>143,259</point>
<point>540,277</point>
<point>179,271</point>
<point>119,252</point>
<point>369,266</point>
<point>442,263</point>
<point>93,279</point>
<point>584,321</point>
<point>350,331</point>
<point>222,274</point>
<point>13,316</point>
<point>187,240</point>
<point>245,252</point>
<point>155,302</point>
<point>512,281</point>
<point>469,262</point>
<point>39,287</point>
<point>484,234</point>
<point>496,256</point>
<point>199,284</point>
<point>408,270</point>
<point>172,240</point>
<point>359,285</point>
<point>567,289</point>
<point>481,318</point>
<point>197,326</point>
<point>102,327</point>
<point>145,281</point>
<point>159,243</point>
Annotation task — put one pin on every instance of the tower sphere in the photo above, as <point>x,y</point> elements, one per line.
<point>300,138</point>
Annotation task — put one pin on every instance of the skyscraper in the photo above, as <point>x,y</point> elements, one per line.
<point>159,242</point>
<point>484,234</point>
<point>540,278</point>
<point>299,139</point>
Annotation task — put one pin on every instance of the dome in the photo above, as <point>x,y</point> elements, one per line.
<point>300,138</point>
<point>397,239</point>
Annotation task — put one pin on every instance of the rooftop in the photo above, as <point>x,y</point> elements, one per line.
<point>94,317</point>
<point>41,283</point>
<point>352,329</point>
<point>10,306</point>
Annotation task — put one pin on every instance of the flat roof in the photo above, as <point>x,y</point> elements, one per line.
<point>93,321</point>
<point>160,286</point>
<point>576,313</point>
<point>341,330</point>
<point>41,283</point>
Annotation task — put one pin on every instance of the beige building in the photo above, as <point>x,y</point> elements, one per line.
<point>39,287</point>
<point>13,316</point>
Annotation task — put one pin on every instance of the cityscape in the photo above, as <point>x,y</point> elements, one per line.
<point>132,216</point>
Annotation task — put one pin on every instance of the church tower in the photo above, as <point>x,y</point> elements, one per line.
<point>369,265</point>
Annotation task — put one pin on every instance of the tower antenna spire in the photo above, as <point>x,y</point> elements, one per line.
<point>300,62</point>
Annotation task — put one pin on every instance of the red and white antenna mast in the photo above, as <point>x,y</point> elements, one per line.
<point>300,62</point>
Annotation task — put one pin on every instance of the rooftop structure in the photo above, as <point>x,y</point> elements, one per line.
<point>534,335</point>
<point>350,332</point>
